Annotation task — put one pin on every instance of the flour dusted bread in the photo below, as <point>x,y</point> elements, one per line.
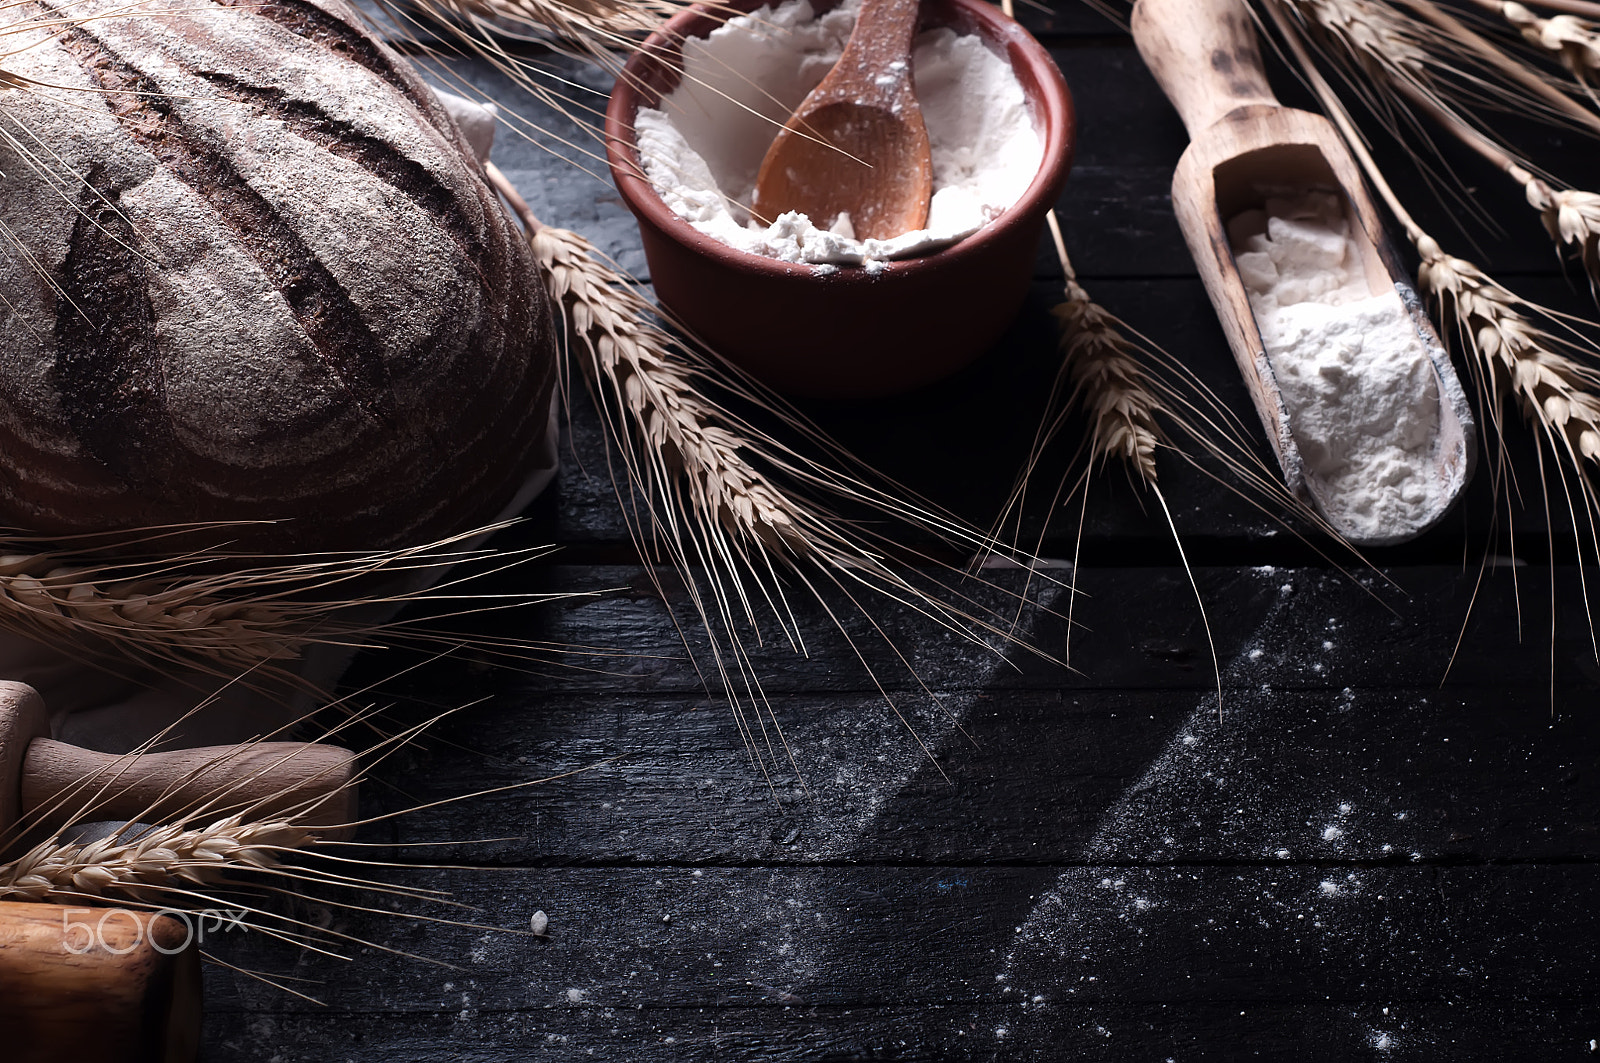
<point>282,290</point>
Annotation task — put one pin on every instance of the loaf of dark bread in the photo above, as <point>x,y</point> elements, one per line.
<point>253,273</point>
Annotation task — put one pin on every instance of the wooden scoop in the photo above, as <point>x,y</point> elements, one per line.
<point>1242,142</point>
<point>857,145</point>
<point>45,782</point>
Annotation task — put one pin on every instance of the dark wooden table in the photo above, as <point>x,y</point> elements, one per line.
<point>1361,855</point>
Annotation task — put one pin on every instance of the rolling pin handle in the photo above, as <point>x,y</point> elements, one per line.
<point>313,782</point>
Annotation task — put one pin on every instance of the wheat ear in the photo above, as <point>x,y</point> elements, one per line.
<point>695,442</point>
<point>1574,41</point>
<point>248,614</point>
<point>152,864</point>
<point>704,502</point>
<point>1554,390</point>
<point>1108,383</point>
<point>1497,326</point>
<point>186,623</point>
<point>629,355</point>
<point>1397,56</point>
<point>1100,363</point>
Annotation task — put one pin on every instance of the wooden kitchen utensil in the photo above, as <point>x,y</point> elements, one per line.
<point>1243,141</point>
<point>46,782</point>
<point>110,985</point>
<point>857,144</point>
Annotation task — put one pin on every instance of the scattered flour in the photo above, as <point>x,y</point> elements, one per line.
<point>703,148</point>
<point>1359,388</point>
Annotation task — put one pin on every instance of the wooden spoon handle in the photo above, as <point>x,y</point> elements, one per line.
<point>882,37</point>
<point>1204,54</point>
<point>261,779</point>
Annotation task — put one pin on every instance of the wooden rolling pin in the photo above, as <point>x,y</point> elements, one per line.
<point>47,783</point>
<point>1242,141</point>
<point>108,985</point>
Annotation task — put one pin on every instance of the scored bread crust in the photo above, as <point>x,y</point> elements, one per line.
<point>277,289</point>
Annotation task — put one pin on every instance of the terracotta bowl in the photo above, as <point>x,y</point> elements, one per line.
<point>848,333</point>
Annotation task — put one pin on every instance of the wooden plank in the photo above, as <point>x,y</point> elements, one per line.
<point>1135,628</point>
<point>839,936</point>
<point>1308,1033</point>
<point>1019,958</point>
<point>1330,700</point>
<point>1391,777</point>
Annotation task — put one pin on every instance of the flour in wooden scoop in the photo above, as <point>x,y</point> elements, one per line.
<point>1361,393</point>
<point>703,148</point>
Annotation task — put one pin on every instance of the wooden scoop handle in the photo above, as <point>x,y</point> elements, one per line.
<point>261,779</point>
<point>1204,54</point>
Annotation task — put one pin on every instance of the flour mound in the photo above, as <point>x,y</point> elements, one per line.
<point>1361,393</point>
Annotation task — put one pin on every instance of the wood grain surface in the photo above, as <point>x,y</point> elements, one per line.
<point>1369,852</point>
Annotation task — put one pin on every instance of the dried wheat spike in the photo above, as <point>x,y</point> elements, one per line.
<point>1575,41</point>
<point>1554,391</point>
<point>42,598</point>
<point>1572,218</point>
<point>595,24</point>
<point>629,357</point>
<point>1372,33</point>
<point>157,860</point>
<point>1108,382</point>
<point>1392,51</point>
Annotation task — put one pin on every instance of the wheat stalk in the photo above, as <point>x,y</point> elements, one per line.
<point>1554,390</point>
<point>689,439</point>
<point>712,500</point>
<point>1101,366</point>
<point>1370,33</point>
<point>1574,41</point>
<point>225,615</point>
<point>1511,353</point>
<point>630,357</point>
<point>1434,59</point>
<point>152,864</point>
<point>203,861</point>
<point>1108,383</point>
<point>44,599</point>
<point>1402,56</point>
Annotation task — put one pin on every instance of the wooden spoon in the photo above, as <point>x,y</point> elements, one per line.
<point>1243,142</point>
<point>857,144</point>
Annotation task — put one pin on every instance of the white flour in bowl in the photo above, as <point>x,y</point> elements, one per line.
<point>1360,391</point>
<point>703,148</point>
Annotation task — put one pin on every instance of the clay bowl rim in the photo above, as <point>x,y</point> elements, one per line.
<point>660,55</point>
